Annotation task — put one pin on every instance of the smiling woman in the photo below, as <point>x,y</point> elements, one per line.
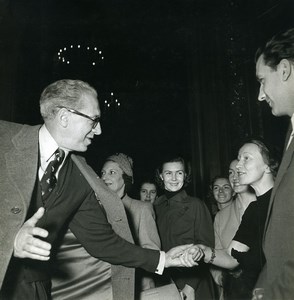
<point>182,218</point>
<point>222,192</point>
<point>117,174</point>
<point>244,257</point>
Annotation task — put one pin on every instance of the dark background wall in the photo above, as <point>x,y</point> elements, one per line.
<point>183,72</point>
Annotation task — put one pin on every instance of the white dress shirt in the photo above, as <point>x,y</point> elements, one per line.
<point>292,133</point>
<point>48,146</point>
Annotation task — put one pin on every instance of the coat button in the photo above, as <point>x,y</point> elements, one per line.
<point>15,210</point>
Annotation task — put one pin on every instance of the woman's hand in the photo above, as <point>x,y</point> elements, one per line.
<point>196,252</point>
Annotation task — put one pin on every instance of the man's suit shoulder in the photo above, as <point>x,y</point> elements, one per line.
<point>10,128</point>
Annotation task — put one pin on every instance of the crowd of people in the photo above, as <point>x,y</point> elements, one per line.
<point>69,233</point>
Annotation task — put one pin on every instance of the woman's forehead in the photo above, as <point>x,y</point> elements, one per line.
<point>175,165</point>
<point>221,181</point>
<point>249,148</point>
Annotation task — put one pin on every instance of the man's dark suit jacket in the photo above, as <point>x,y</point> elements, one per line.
<point>19,151</point>
<point>277,276</point>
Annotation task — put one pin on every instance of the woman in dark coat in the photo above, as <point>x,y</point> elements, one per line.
<point>182,219</point>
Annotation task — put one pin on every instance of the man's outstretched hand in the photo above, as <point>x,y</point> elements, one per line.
<point>26,243</point>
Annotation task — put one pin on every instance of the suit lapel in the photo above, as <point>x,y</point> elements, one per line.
<point>22,161</point>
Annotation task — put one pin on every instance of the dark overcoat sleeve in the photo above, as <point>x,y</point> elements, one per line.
<point>106,233</point>
<point>94,232</point>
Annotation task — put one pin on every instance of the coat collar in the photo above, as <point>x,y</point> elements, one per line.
<point>112,204</point>
<point>181,196</point>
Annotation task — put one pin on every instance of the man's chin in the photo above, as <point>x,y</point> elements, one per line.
<point>83,148</point>
<point>277,113</point>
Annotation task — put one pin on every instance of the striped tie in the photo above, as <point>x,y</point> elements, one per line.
<point>48,181</point>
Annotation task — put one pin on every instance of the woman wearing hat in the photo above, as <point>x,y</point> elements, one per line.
<point>117,173</point>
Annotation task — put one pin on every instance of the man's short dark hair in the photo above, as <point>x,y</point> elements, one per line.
<point>280,46</point>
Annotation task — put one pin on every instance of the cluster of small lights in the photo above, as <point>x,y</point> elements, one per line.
<point>66,54</point>
<point>113,102</point>
<point>237,54</point>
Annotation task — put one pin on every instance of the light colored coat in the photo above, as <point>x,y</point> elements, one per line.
<point>143,226</point>
<point>143,222</point>
<point>19,167</point>
<point>226,224</point>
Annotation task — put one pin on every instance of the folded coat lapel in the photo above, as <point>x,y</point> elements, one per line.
<point>112,204</point>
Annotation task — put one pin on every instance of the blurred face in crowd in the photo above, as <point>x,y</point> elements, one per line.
<point>222,191</point>
<point>251,166</point>
<point>148,192</point>
<point>173,176</point>
<point>111,174</point>
<point>234,179</point>
<point>275,86</point>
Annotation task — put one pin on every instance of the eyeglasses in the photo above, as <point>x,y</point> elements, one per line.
<point>94,120</point>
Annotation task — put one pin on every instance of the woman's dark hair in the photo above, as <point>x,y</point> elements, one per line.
<point>210,200</point>
<point>150,181</point>
<point>186,165</point>
<point>215,178</point>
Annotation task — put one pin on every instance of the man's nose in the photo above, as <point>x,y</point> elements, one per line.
<point>97,130</point>
<point>261,95</point>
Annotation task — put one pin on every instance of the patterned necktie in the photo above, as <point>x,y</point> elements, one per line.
<point>48,181</point>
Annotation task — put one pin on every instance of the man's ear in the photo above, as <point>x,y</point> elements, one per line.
<point>161,177</point>
<point>285,68</point>
<point>63,117</point>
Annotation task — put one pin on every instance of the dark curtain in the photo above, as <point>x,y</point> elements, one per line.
<point>223,90</point>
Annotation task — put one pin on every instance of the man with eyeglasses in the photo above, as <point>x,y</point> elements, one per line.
<point>47,190</point>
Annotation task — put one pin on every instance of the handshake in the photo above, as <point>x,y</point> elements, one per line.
<point>183,256</point>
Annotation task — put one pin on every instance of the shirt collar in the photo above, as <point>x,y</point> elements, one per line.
<point>292,122</point>
<point>47,145</point>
